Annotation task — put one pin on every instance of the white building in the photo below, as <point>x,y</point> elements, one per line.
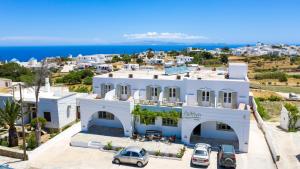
<point>93,60</point>
<point>212,104</point>
<point>5,83</point>
<point>184,59</point>
<point>56,104</point>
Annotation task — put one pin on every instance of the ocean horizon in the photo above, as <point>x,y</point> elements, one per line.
<point>24,53</point>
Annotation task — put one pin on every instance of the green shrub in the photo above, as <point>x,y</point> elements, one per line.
<point>281,76</point>
<point>31,142</point>
<point>261,110</point>
<point>181,152</point>
<point>274,98</point>
<point>4,142</point>
<point>108,146</point>
<point>294,115</point>
<point>41,120</point>
<point>88,81</point>
<point>157,153</point>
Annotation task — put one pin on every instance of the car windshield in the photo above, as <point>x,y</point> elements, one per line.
<point>200,152</point>
<point>143,152</point>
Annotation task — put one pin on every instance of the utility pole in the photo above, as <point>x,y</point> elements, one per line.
<point>23,128</point>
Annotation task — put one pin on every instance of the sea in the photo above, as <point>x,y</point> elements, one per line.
<point>24,53</point>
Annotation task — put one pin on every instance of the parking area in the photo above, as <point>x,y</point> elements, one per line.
<point>63,156</point>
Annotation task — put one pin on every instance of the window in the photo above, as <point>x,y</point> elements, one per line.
<point>172,92</point>
<point>205,96</point>
<point>135,154</point>
<point>68,111</point>
<point>154,91</point>
<point>107,88</point>
<point>224,127</point>
<point>47,116</point>
<point>169,122</point>
<point>147,120</point>
<point>105,115</point>
<point>124,90</point>
<point>227,97</point>
<point>126,153</point>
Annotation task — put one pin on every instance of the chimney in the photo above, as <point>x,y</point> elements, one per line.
<point>47,85</point>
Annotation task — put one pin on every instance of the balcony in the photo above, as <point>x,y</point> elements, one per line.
<point>191,100</point>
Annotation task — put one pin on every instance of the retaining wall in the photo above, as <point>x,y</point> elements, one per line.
<point>267,133</point>
<point>11,152</point>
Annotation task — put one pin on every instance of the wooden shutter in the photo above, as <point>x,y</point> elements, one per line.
<point>212,98</point>
<point>221,97</point>
<point>234,100</point>
<point>177,93</point>
<point>128,91</point>
<point>111,86</point>
<point>102,90</point>
<point>118,91</point>
<point>199,97</point>
<point>166,93</point>
<point>158,91</point>
<point>148,92</point>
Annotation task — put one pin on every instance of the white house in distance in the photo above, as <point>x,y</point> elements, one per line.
<point>93,60</point>
<point>213,104</point>
<point>56,104</point>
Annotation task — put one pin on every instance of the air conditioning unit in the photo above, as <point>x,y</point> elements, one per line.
<point>155,77</point>
<point>110,75</point>
<point>178,77</point>
<point>130,76</point>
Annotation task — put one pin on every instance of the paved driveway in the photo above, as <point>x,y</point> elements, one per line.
<point>63,156</point>
<point>288,144</point>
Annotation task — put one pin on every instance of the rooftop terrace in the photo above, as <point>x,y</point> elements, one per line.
<point>203,73</point>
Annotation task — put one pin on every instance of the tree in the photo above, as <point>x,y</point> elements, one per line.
<point>224,58</point>
<point>15,72</point>
<point>126,58</point>
<point>9,115</point>
<point>139,61</point>
<point>41,75</point>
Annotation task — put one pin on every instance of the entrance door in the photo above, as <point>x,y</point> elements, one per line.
<point>197,130</point>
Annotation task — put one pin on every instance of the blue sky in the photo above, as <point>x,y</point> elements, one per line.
<point>59,22</point>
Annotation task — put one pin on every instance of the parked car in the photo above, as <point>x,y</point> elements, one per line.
<point>201,154</point>
<point>226,156</point>
<point>132,155</point>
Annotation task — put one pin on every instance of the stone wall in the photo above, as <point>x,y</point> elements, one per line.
<point>11,152</point>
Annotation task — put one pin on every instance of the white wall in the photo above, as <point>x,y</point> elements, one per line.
<point>187,86</point>
<point>239,120</point>
<point>121,109</point>
<point>284,119</point>
<point>208,130</point>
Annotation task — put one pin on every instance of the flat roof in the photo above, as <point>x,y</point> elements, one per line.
<point>204,74</point>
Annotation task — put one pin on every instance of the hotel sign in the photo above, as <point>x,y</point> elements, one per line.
<point>191,115</point>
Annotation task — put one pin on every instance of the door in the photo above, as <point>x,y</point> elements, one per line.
<point>125,158</point>
<point>134,157</point>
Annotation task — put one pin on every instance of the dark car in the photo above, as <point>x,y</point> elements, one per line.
<point>226,156</point>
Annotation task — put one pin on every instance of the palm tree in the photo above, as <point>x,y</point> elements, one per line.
<point>8,115</point>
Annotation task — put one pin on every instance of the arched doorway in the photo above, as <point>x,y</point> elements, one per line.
<point>214,133</point>
<point>105,123</point>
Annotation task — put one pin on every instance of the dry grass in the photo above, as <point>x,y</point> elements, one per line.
<point>263,93</point>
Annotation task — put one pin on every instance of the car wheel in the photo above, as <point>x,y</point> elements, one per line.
<point>139,164</point>
<point>117,161</point>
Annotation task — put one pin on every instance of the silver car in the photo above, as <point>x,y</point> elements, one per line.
<point>132,155</point>
<point>201,154</point>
